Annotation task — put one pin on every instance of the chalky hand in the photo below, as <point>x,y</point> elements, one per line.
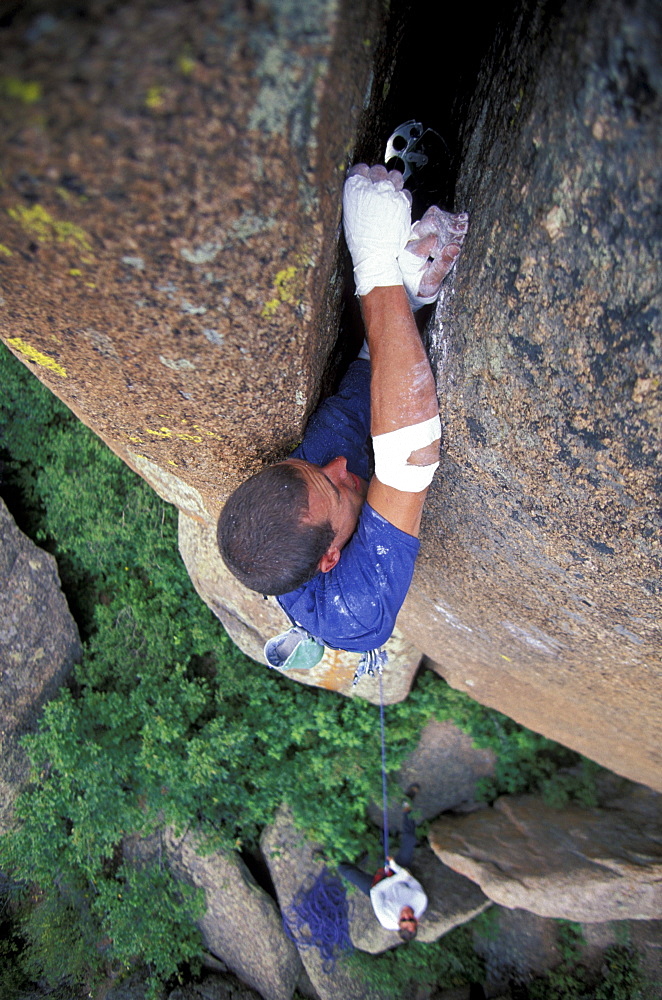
<point>433,247</point>
<point>377,224</point>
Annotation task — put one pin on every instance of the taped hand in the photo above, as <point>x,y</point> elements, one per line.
<point>377,224</point>
<point>434,246</point>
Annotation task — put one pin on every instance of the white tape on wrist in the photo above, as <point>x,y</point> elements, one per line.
<point>377,224</point>
<point>393,450</point>
<point>376,272</point>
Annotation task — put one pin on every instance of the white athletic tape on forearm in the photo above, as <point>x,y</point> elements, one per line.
<point>393,450</point>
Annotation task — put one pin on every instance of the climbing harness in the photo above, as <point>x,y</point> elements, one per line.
<point>319,918</point>
<point>371,663</point>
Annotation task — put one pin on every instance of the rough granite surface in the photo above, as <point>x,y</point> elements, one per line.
<point>272,969</point>
<point>446,766</point>
<point>168,218</point>
<point>591,865</point>
<point>39,645</point>
<point>538,590</point>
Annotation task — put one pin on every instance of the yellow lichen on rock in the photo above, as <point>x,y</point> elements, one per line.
<point>38,223</point>
<point>27,91</point>
<point>32,354</point>
<point>288,286</point>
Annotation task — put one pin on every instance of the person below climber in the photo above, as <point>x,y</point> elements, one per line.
<point>397,897</point>
<point>337,550</point>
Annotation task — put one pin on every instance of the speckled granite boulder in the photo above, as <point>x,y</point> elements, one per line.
<point>39,644</point>
<point>273,967</point>
<point>168,246</point>
<point>169,217</point>
<point>590,865</point>
<point>540,590</point>
<point>446,766</point>
<point>520,944</point>
<point>215,988</point>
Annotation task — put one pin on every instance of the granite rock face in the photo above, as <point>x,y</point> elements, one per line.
<point>168,247</point>
<point>250,620</point>
<point>520,944</point>
<point>214,988</point>
<point>446,766</point>
<point>254,947</point>
<point>39,645</point>
<point>168,221</point>
<point>590,865</point>
<point>539,594</point>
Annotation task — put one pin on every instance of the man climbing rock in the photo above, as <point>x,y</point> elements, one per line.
<point>337,549</point>
<point>397,897</point>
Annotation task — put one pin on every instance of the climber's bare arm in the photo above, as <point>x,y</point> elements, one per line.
<point>402,393</point>
<point>387,251</point>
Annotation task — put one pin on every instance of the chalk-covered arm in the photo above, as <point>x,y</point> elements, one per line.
<point>403,399</point>
<point>404,412</point>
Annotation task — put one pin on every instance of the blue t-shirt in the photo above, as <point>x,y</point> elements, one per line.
<point>354,606</point>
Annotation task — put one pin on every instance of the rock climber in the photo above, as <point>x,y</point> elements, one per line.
<point>397,897</point>
<point>336,545</point>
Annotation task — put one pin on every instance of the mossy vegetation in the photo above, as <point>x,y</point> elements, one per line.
<point>619,978</point>
<point>166,722</point>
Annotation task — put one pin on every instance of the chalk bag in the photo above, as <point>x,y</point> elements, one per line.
<point>295,649</point>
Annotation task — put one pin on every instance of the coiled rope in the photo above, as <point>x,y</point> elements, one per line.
<point>319,918</point>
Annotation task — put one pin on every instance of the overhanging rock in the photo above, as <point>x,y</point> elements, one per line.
<point>591,865</point>
<point>168,217</point>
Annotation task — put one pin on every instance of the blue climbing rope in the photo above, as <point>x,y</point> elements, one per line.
<point>319,918</point>
<point>371,663</point>
<point>383,737</point>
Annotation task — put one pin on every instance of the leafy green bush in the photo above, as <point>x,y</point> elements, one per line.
<point>620,977</point>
